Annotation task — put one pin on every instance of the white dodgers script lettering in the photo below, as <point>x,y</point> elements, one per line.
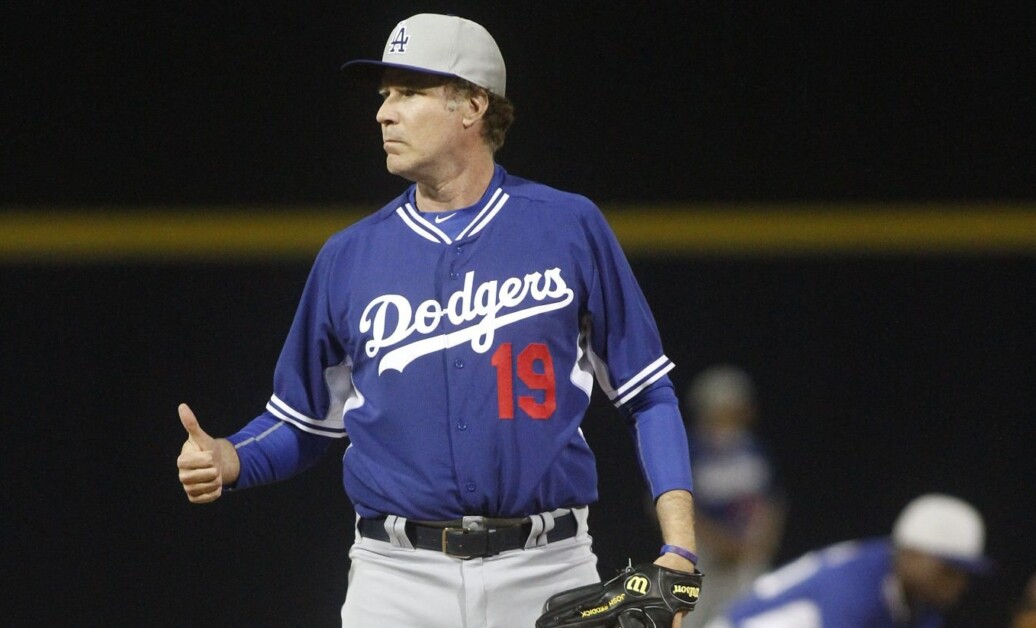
<point>391,319</point>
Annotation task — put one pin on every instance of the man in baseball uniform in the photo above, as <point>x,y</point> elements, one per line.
<point>910,579</point>
<point>739,506</point>
<point>454,337</point>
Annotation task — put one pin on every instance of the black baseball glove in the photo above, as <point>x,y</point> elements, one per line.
<point>645,596</point>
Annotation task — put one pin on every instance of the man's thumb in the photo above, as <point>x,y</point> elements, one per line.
<point>190,423</point>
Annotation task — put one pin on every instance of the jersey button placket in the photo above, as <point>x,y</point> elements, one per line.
<point>454,380</point>
<point>454,271</point>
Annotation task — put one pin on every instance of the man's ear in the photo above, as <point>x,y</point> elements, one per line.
<point>477,105</point>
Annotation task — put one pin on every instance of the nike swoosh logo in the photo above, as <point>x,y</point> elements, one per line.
<point>439,219</point>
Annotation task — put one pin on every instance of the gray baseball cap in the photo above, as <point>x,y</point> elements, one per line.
<point>446,45</point>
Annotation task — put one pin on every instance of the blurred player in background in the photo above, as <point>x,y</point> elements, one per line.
<point>739,509</point>
<point>909,579</point>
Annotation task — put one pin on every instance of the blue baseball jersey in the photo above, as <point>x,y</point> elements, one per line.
<point>458,352</point>
<point>848,584</point>
<point>732,479</point>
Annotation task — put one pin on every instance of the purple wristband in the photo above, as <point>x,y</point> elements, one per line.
<point>679,551</point>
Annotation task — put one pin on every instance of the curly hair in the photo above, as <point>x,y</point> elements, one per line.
<point>498,116</point>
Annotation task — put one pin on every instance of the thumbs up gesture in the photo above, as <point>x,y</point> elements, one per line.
<point>203,461</point>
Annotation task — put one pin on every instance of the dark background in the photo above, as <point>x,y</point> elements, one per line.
<point>880,376</point>
<point>243,101</point>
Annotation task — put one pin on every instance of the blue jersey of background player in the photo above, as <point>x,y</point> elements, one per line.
<point>909,579</point>
<point>454,337</point>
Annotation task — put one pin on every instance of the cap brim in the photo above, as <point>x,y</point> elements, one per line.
<point>369,65</point>
<point>977,566</point>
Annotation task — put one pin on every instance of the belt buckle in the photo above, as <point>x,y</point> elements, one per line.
<point>445,533</point>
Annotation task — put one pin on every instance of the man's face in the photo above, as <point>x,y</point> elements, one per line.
<point>420,122</point>
<point>930,580</point>
<point>723,424</point>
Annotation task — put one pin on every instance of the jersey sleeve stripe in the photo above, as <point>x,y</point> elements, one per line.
<point>635,380</point>
<point>334,429</point>
<point>651,380</point>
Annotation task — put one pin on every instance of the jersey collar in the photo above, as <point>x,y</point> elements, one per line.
<point>491,203</point>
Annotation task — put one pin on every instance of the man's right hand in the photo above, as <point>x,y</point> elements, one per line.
<point>202,460</point>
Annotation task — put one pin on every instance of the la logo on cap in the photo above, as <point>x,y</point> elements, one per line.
<point>446,45</point>
<point>398,42</point>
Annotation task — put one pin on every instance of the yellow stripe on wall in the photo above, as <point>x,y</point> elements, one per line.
<point>264,233</point>
<point>196,234</point>
<point>851,229</point>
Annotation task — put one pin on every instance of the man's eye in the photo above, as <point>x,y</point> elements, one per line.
<point>403,92</point>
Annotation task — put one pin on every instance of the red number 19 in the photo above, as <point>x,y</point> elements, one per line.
<point>542,379</point>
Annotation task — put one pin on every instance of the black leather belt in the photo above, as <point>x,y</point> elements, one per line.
<point>453,540</point>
